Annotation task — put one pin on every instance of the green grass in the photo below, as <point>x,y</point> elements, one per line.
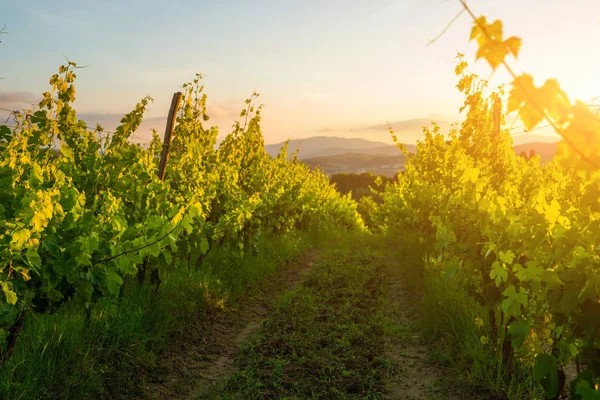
<point>324,340</point>
<point>446,317</point>
<point>61,356</point>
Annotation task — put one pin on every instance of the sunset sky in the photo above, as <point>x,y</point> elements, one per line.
<point>328,67</point>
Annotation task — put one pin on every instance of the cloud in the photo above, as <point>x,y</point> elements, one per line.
<point>18,100</point>
<point>228,110</point>
<point>109,122</point>
<point>221,114</point>
<point>412,127</point>
<point>359,128</point>
<point>218,112</point>
<point>413,124</point>
<point>325,130</point>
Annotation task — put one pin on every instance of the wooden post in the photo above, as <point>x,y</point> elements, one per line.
<point>11,340</point>
<point>162,169</point>
<point>164,156</point>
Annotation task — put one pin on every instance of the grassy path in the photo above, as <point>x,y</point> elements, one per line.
<point>197,365</point>
<point>325,338</point>
<point>348,331</point>
<point>416,377</point>
<point>338,324</point>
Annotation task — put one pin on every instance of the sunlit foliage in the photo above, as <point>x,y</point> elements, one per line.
<point>81,210</point>
<point>523,238</point>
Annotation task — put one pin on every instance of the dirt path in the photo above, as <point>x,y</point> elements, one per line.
<point>327,339</point>
<point>416,378</point>
<point>198,366</point>
<point>324,340</point>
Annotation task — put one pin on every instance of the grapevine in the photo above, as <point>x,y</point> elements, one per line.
<point>79,213</point>
<point>522,237</point>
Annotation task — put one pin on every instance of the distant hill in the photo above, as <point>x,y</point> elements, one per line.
<point>531,138</point>
<point>545,150</point>
<point>340,155</point>
<point>387,165</point>
<point>322,146</point>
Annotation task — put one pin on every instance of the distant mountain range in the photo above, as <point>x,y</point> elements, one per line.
<point>545,150</point>
<point>341,155</point>
<point>324,146</point>
<point>358,163</point>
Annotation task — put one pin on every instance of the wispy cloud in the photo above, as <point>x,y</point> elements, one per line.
<point>18,100</point>
<point>325,130</point>
<point>225,110</point>
<point>413,124</point>
<point>410,129</point>
<point>221,114</point>
<point>109,122</point>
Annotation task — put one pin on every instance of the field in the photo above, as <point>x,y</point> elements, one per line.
<point>187,269</point>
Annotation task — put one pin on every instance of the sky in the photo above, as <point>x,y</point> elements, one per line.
<point>323,67</point>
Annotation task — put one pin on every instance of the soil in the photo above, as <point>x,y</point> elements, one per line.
<point>200,364</point>
<point>203,360</point>
<point>416,377</point>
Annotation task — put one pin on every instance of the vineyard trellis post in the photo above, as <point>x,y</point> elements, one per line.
<point>164,156</point>
<point>162,169</point>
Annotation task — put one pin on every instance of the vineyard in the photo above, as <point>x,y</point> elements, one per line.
<point>84,215</point>
<point>119,262</point>
<point>520,239</point>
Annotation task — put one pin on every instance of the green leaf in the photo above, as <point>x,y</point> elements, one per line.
<point>513,301</point>
<point>195,210</point>
<point>34,259</point>
<point>11,296</point>
<point>507,257</point>
<point>20,238</point>
<point>519,330</point>
<point>204,246</point>
<point>545,372</point>
<point>569,301</point>
<point>37,176</point>
<point>585,386</point>
<point>5,133</point>
<point>168,257</point>
<point>84,292</point>
<point>127,264</point>
<point>67,152</point>
<point>585,391</point>
<point>39,118</point>
<point>532,273</point>
<point>499,273</point>
<point>551,278</point>
<point>113,282</point>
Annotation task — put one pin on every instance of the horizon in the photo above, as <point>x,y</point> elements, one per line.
<point>522,139</point>
<point>304,60</point>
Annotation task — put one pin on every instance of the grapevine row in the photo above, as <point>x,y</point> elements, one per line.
<point>81,211</point>
<point>522,238</point>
